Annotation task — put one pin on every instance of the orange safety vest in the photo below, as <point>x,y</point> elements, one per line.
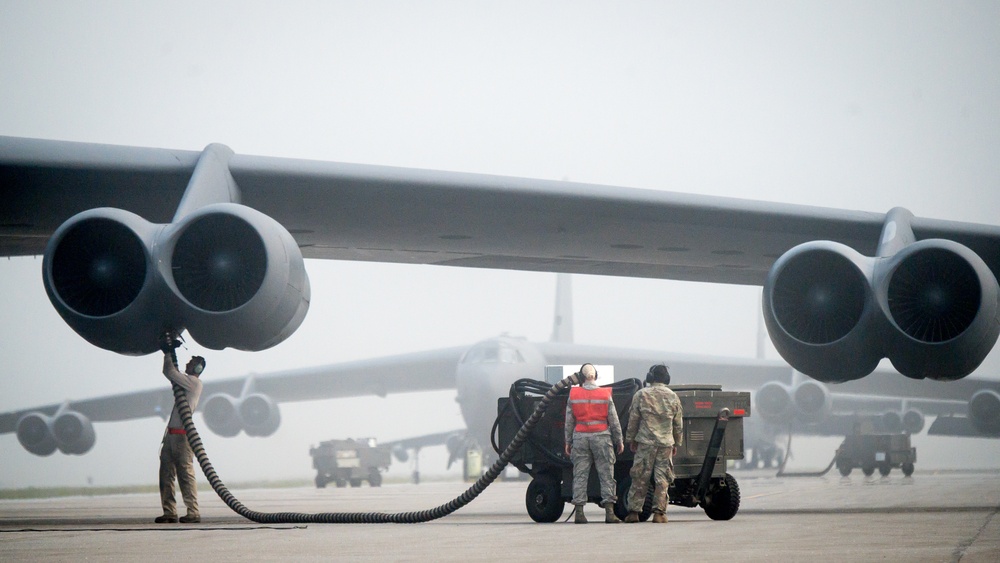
<point>590,408</point>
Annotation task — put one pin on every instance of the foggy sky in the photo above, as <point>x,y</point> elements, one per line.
<point>854,105</point>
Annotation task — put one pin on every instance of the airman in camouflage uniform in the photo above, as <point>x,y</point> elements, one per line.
<point>655,429</point>
<point>593,435</point>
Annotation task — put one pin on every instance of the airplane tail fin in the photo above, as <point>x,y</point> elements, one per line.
<point>562,323</point>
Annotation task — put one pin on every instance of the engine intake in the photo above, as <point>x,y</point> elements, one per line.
<point>70,432</point>
<point>931,308</point>
<point>230,275</point>
<point>256,414</point>
<point>984,412</point>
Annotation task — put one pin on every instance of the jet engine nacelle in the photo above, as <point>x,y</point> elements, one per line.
<point>777,403</point>
<point>256,414</point>
<point>70,432</point>
<point>230,275</point>
<point>773,402</point>
<point>911,422</point>
<point>833,314</point>
<point>984,412</point>
<point>812,401</point>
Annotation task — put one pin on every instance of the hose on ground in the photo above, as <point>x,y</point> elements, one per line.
<point>441,511</point>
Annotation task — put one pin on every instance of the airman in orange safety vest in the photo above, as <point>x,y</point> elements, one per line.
<point>593,436</point>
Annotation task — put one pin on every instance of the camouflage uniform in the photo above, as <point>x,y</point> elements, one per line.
<point>656,425</point>
<point>594,448</point>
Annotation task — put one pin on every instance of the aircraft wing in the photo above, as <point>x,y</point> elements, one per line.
<point>153,223</point>
<point>738,374</point>
<point>829,410</point>
<point>421,371</point>
<point>385,214</point>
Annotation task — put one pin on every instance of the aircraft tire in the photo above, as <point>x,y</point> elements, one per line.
<point>543,499</point>
<point>724,502</point>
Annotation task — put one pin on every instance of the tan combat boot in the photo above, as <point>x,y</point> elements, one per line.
<point>580,518</point>
<point>659,518</point>
<point>632,518</point>
<point>609,514</point>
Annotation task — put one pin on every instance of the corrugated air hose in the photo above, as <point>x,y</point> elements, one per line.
<point>360,517</point>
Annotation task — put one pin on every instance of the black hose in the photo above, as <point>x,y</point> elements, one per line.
<point>788,453</point>
<point>465,498</point>
<point>522,386</point>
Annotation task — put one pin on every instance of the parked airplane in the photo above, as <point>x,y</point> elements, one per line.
<point>220,260</point>
<point>784,401</point>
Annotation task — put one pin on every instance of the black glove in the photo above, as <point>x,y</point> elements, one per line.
<point>169,343</point>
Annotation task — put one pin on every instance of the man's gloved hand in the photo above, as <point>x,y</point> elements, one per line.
<point>169,342</point>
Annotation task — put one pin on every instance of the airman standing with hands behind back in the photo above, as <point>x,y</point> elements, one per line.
<point>593,435</point>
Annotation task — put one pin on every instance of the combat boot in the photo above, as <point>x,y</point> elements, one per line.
<point>580,518</point>
<point>166,519</point>
<point>609,514</point>
<point>659,518</point>
<point>632,518</point>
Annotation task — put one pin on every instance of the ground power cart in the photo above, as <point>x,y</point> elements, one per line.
<point>876,451</point>
<point>713,435</point>
<point>349,461</point>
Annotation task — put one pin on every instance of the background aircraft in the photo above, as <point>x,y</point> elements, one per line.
<point>784,400</point>
<point>723,100</point>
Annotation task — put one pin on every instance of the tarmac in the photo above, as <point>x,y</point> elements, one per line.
<point>931,516</point>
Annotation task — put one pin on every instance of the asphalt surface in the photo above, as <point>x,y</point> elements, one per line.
<point>941,516</point>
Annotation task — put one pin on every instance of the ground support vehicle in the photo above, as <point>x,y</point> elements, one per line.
<point>350,461</point>
<point>713,435</point>
<point>876,451</point>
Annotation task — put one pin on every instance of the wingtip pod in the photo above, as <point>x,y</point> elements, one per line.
<point>833,314</point>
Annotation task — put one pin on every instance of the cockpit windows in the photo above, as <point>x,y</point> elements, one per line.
<point>493,352</point>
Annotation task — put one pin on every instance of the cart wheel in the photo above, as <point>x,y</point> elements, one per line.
<point>884,469</point>
<point>907,469</point>
<point>845,470</point>
<point>375,479</point>
<point>320,481</point>
<point>723,501</point>
<point>621,508</point>
<point>544,499</point>
<point>868,470</point>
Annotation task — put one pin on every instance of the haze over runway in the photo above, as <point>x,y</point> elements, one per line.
<point>853,106</point>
